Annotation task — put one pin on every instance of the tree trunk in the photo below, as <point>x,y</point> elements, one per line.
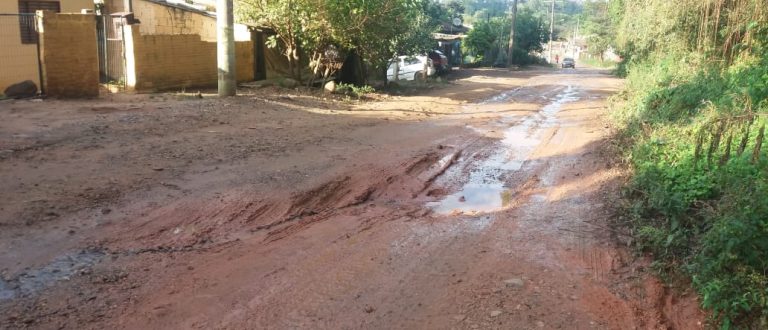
<point>396,69</point>
<point>512,34</point>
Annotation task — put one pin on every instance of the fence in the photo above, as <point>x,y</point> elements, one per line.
<point>111,48</point>
<point>19,50</point>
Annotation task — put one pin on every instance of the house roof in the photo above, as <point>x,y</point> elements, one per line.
<point>449,28</point>
<point>205,8</point>
<point>447,37</point>
<point>201,7</point>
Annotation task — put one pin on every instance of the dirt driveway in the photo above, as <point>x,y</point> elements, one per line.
<point>486,203</point>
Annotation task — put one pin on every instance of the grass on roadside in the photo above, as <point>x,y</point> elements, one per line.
<point>697,199</point>
<point>596,63</point>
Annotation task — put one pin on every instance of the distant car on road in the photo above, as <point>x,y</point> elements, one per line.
<point>568,63</point>
<point>410,68</point>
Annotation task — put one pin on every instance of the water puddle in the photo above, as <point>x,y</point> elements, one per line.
<point>485,190</point>
<point>505,96</point>
<point>61,268</point>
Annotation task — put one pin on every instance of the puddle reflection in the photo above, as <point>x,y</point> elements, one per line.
<point>485,191</point>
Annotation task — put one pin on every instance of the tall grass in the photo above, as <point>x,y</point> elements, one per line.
<point>695,111</point>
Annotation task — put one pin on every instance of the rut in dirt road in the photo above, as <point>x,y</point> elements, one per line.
<point>494,214</point>
<point>485,189</point>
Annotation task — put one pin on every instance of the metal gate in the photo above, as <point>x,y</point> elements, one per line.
<point>111,48</point>
<point>19,50</point>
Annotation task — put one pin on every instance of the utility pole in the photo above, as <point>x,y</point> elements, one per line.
<point>225,46</point>
<point>551,30</point>
<point>512,34</point>
<point>575,36</point>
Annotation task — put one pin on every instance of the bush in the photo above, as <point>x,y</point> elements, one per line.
<point>695,111</point>
<point>699,192</point>
<point>352,90</point>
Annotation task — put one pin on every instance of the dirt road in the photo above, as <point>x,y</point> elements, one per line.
<point>486,203</point>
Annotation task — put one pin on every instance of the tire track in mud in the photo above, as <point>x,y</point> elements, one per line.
<point>198,228</point>
<point>239,214</point>
<point>405,182</point>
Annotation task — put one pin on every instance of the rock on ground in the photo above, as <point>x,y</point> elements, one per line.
<point>21,90</point>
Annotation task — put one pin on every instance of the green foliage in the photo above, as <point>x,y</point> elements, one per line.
<point>321,29</point>
<point>377,30</point>
<point>287,19</point>
<point>440,12</point>
<point>695,109</point>
<point>598,64</point>
<point>566,13</point>
<point>488,40</point>
<point>482,39</point>
<point>598,27</point>
<point>355,91</point>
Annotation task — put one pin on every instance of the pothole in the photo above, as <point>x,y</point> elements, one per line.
<point>61,268</point>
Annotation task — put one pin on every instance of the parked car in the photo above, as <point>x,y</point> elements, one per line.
<point>410,68</point>
<point>568,63</point>
<point>440,61</point>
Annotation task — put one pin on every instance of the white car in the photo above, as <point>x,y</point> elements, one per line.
<point>410,68</point>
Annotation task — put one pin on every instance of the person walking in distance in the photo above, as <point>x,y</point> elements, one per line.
<point>557,59</point>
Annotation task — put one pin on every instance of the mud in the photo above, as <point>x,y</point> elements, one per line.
<point>485,203</point>
<point>485,190</point>
<point>60,269</point>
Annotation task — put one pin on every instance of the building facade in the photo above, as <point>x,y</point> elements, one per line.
<point>18,38</point>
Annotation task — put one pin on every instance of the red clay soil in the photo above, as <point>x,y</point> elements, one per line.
<point>484,203</point>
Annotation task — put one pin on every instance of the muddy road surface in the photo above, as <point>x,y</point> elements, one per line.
<point>484,203</point>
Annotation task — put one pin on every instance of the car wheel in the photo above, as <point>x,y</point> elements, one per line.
<point>417,75</point>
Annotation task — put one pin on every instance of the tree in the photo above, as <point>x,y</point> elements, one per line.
<point>481,40</point>
<point>598,27</point>
<point>488,37</point>
<point>455,8</point>
<point>322,29</point>
<point>286,18</point>
<point>511,45</point>
<point>377,30</point>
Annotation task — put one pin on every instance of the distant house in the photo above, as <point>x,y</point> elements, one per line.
<point>449,40</point>
<point>18,37</point>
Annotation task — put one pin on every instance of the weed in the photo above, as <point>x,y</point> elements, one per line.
<point>698,194</point>
<point>354,91</point>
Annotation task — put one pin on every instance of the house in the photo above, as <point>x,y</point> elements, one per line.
<point>134,45</point>
<point>167,44</point>
<point>19,59</point>
<point>449,39</point>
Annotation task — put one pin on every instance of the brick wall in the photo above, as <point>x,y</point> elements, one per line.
<point>174,48</point>
<point>18,62</point>
<point>69,56</point>
<point>160,19</point>
<point>163,62</point>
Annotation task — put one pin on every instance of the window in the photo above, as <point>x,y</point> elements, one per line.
<point>27,9</point>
